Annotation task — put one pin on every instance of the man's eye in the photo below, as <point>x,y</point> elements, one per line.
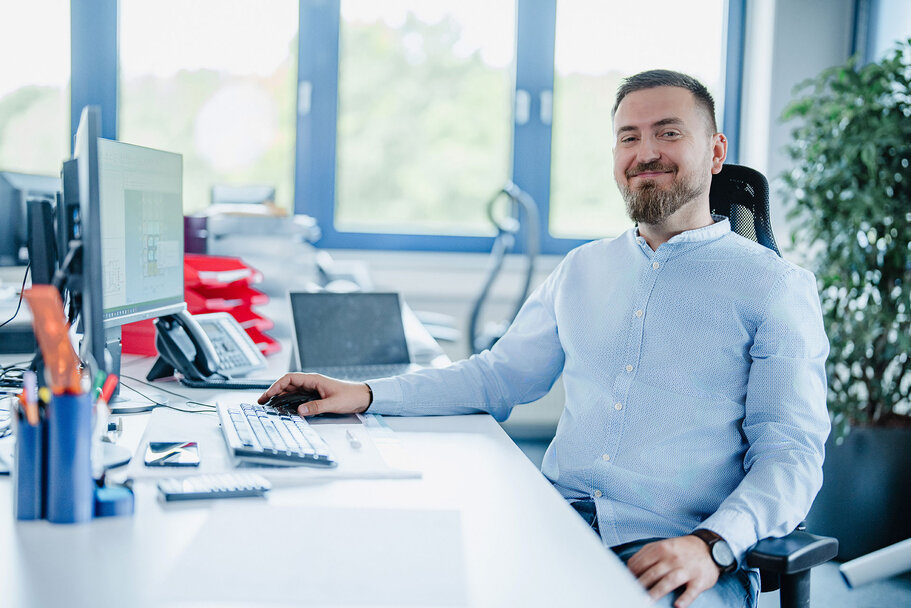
<point>670,134</point>
<point>627,139</point>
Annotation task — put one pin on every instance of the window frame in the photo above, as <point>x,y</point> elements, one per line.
<point>94,77</point>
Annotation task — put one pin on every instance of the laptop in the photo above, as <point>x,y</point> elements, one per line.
<point>349,336</point>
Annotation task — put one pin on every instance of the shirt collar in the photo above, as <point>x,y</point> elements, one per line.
<point>698,236</point>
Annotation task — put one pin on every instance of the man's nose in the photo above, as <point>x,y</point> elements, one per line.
<point>647,151</point>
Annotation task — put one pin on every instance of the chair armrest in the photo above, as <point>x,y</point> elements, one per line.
<point>796,552</point>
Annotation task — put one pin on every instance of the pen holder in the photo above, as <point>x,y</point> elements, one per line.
<point>70,489</point>
<point>29,470</point>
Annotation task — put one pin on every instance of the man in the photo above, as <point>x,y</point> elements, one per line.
<point>692,359</point>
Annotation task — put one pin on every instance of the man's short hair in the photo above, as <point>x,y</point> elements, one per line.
<point>668,78</point>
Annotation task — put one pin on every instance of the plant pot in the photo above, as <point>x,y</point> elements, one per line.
<point>866,491</point>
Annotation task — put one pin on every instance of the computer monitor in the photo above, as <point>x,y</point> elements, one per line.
<point>141,203</point>
<point>131,230</point>
<point>16,190</point>
<point>84,280</point>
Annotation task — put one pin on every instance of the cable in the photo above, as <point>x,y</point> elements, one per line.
<point>21,289</point>
<point>184,397</point>
<point>11,375</point>
<point>210,409</point>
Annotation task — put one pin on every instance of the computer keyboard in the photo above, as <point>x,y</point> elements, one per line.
<point>364,372</point>
<point>258,434</point>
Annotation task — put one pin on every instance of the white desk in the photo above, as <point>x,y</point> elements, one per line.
<point>521,544</point>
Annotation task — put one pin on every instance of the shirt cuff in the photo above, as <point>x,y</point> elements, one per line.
<point>387,397</point>
<point>736,529</point>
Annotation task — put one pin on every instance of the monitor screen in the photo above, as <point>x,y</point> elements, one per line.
<point>141,213</point>
<point>16,191</point>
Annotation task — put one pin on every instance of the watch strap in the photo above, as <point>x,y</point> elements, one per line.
<point>711,538</point>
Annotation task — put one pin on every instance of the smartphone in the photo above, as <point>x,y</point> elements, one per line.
<point>172,454</point>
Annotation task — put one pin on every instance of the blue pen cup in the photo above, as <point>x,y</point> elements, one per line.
<point>29,472</point>
<point>70,488</point>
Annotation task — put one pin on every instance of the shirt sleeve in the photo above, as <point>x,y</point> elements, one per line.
<point>521,367</point>
<point>786,422</point>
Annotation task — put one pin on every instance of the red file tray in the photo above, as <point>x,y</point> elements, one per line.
<point>212,284</point>
<point>139,338</point>
<point>223,299</point>
<point>217,271</point>
<point>266,344</point>
<point>247,319</point>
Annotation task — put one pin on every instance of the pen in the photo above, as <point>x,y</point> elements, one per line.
<point>352,440</point>
<point>30,396</point>
<point>100,377</point>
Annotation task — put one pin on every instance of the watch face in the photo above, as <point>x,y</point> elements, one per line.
<point>722,554</point>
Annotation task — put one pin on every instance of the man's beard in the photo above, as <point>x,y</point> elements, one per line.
<point>652,204</point>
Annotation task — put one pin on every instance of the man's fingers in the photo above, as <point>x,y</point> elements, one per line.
<point>651,576</point>
<point>686,598</point>
<point>285,383</point>
<point>311,408</point>
<point>645,558</point>
<point>672,580</point>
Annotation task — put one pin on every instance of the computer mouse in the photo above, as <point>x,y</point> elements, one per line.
<point>291,400</point>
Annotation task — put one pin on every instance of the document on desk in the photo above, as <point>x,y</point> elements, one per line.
<point>309,556</point>
<point>376,453</point>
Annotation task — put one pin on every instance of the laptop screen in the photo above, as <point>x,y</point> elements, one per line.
<point>348,329</point>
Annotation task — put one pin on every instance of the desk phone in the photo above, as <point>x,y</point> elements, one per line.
<point>209,349</point>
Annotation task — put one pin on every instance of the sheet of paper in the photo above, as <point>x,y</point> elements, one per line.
<point>365,462</point>
<point>303,556</point>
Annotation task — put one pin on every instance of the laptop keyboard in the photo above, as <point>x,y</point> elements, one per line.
<point>363,372</point>
<point>263,435</point>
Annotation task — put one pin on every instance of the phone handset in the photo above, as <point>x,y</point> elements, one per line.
<point>184,346</point>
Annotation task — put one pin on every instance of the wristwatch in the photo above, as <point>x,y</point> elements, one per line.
<point>719,550</point>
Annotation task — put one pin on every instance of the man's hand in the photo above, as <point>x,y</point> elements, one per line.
<point>666,565</point>
<point>336,397</point>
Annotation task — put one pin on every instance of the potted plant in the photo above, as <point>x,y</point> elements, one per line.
<point>850,189</point>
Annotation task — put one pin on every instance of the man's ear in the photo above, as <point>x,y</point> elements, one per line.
<point>719,151</point>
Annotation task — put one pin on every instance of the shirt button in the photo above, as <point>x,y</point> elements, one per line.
<point>618,406</point>
<point>639,313</point>
<point>629,368</point>
<point>597,494</point>
<point>605,457</point>
<point>656,265</point>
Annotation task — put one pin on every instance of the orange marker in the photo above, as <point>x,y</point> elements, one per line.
<point>52,333</point>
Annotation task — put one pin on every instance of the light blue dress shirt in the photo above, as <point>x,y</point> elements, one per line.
<point>694,378</point>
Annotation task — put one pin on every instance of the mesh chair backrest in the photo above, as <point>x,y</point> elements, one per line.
<point>742,194</point>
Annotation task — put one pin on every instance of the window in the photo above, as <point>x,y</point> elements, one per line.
<point>34,94</point>
<point>424,119</point>
<point>394,122</point>
<point>597,45</point>
<point>214,80</point>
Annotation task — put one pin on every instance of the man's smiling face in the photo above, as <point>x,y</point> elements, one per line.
<point>662,152</point>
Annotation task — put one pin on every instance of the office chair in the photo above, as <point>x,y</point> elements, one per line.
<point>742,194</point>
<point>784,563</point>
<point>521,207</point>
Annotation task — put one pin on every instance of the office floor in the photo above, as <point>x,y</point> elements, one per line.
<point>828,588</point>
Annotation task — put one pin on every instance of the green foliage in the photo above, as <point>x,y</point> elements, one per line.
<point>33,130</point>
<point>851,194</point>
<point>423,134</point>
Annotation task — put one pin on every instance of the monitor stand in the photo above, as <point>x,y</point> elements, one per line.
<point>113,351</point>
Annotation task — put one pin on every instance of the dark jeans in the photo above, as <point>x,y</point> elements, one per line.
<point>738,589</point>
